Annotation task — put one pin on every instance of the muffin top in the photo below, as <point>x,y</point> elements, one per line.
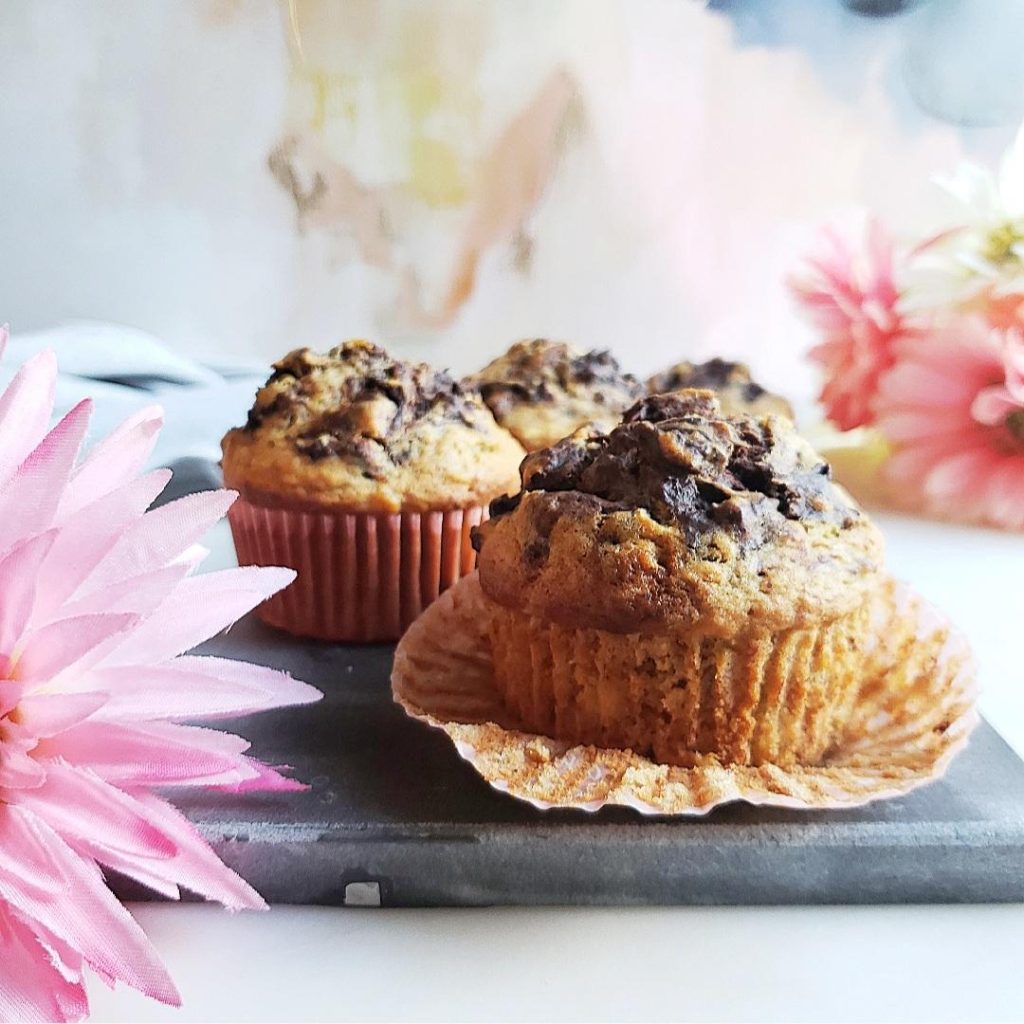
<point>543,390</point>
<point>680,515</point>
<point>354,428</point>
<point>737,391</point>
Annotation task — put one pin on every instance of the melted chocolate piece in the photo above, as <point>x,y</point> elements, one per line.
<point>678,457</point>
<point>674,405</point>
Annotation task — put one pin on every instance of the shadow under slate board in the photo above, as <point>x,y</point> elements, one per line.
<point>395,817</point>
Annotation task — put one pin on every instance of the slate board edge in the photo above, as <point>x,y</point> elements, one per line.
<point>445,838</point>
<point>647,863</point>
<point>521,870</point>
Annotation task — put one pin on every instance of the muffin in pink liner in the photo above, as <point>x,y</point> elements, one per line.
<point>365,474</point>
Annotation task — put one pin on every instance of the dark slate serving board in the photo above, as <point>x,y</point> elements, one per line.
<point>395,817</point>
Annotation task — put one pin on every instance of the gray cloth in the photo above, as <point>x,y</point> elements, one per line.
<point>123,370</point>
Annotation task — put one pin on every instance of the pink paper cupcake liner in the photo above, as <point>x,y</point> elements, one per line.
<point>363,577</point>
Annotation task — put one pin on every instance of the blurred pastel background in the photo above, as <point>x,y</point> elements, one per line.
<point>240,177</point>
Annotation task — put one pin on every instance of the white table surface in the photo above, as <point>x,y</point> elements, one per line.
<point>788,964</point>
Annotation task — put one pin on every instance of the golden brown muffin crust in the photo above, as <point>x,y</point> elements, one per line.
<point>354,428</point>
<point>679,515</point>
<point>737,391</point>
<point>544,390</point>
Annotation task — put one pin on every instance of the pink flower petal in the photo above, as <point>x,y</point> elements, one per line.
<point>151,754</point>
<point>137,595</point>
<point>78,805</point>
<point>70,643</point>
<point>114,461</point>
<point>42,879</point>
<point>10,693</point>
<point>25,408</point>
<point>19,570</point>
<point>47,714</point>
<point>267,779</point>
<point>162,877</point>
<point>196,866</point>
<point>954,476</point>
<point>992,405</point>
<point>88,535</point>
<point>159,537</point>
<point>28,501</point>
<point>195,688</point>
<point>199,608</point>
<point>1005,493</point>
<point>32,987</point>
<point>19,771</point>
<point>925,386</point>
<point>909,467</point>
<point>912,425</point>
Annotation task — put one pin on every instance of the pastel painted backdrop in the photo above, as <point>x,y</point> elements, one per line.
<point>243,176</point>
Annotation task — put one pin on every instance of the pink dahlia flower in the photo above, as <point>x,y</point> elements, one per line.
<point>952,408</point>
<point>98,605</point>
<point>851,296</point>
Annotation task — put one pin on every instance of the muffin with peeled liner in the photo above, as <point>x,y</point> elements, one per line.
<point>738,393</point>
<point>541,391</point>
<point>365,474</point>
<point>688,585</point>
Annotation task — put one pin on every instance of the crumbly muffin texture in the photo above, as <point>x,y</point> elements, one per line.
<point>542,391</point>
<point>738,393</point>
<point>356,429</point>
<point>680,515</point>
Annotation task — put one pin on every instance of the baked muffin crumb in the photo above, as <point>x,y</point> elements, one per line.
<point>543,390</point>
<point>357,428</point>
<point>732,382</point>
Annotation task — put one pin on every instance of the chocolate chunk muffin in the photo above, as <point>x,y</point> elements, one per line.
<point>542,391</point>
<point>690,584</point>
<point>356,429</point>
<point>365,474</point>
<point>737,392</point>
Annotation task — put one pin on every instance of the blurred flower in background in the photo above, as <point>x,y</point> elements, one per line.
<point>952,408</point>
<point>930,349</point>
<point>978,262</point>
<point>850,295</point>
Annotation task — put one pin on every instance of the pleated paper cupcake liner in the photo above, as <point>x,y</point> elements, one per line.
<point>363,577</point>
<point>911,710</point>
<point>760,698</point>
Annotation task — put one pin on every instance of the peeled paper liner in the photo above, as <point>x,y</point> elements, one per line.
<point>914,712</point>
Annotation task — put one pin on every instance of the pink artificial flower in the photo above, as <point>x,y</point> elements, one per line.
<point>851,296</point>
<point>952,408</point>
<point>98,605</point>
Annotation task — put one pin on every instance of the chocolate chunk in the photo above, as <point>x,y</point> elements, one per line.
<point>678,457</point>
